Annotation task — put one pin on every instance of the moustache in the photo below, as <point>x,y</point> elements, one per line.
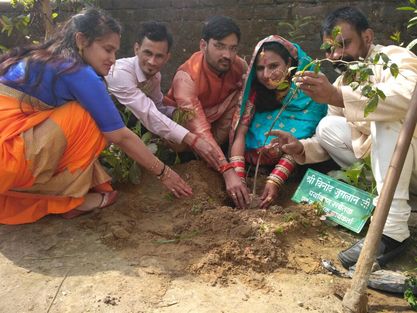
<point>341,67</point>
<point>224,60</point>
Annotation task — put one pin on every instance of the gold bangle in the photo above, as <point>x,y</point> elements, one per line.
<point>276,179</point>
<point>154,165</point>
<point>273,182</point>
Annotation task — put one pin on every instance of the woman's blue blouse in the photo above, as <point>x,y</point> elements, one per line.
<point>82,85</point>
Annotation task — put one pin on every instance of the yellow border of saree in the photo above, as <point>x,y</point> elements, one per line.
<point>48,157</point>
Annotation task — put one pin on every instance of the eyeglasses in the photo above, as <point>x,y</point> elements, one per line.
<point>222,47</point>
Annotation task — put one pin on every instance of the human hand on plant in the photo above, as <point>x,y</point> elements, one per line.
<point>287,142</point>
<point>318,87</point>
<point>176,184</point>
<point>270,193</point>
<point>236,189</point>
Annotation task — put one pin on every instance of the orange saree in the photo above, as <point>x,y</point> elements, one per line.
<point>48,157</point>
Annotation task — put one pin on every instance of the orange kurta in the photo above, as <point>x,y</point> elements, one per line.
<point>211,97</point>
<point>48,157</point>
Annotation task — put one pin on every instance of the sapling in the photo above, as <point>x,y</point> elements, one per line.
<point>357,75</point>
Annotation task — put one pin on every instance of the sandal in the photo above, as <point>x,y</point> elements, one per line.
<point>108,199</point>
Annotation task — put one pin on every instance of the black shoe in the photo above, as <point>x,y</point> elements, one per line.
<point>388,249</point>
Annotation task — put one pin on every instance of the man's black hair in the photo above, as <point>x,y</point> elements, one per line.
<point>350,15</point>
<point>155,31</point>
<point>219,27</point>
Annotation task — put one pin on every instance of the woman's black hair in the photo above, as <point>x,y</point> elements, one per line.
<point>61,48</point>
<point>266,99</point>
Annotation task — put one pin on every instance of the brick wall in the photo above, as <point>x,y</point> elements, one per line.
<point>256,18</point>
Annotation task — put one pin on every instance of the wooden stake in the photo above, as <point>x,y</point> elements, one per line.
<point>356,299</point>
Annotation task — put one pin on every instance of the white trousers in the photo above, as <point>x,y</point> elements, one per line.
<point>334,135</point>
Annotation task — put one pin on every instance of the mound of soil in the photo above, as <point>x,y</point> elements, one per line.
<point>152,253</point>
<point>204,234</point>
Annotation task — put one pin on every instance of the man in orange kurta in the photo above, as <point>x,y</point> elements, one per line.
<point>208,84</point>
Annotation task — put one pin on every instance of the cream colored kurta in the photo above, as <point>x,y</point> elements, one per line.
<point>398,92</point>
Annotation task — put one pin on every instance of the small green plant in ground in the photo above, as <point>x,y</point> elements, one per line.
<point>169,197</point>
<point>197,208</point>
<point>409,296</point>
<point>318,207</point>
<point>118,164</point>
<point>263,228</point>
<point>182,116</point>
<point>288,217</point>
<point>279,230</point>
<point>358,175</point>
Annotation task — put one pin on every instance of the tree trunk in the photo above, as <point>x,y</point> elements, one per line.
<point>356,299</point>
<point>46,11</point>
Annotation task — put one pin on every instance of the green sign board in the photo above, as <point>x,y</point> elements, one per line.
<point>344,204</point>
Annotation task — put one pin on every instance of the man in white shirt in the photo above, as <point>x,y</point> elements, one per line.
<point>136,83</point>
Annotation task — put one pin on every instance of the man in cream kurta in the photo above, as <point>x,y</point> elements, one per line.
<point>346,135</point>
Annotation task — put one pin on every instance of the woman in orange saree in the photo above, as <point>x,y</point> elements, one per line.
<point>56,117</point>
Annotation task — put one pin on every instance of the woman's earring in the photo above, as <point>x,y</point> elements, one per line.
<point>80,51</point>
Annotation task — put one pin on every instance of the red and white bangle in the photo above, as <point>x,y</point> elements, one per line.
<point>238,163</point>
<point>282,170</point>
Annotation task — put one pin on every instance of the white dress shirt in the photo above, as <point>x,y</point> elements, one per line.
<point>143,97</point>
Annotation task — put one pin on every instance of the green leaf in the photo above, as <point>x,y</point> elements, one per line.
<point>380,93</point>
<point>377,56</point>
<point>339,175</point>
<point>405,9</point>
<point>135,174</point>
<point>283,85</point>
<point>336,31</point>
<point>349,76</point>
<point>394,70</point>
<point>6,20</point>
<point>366,90</point>
<point>317,68</point>
<point>177,159</point>
<point>326,46</point>
<point>354,172</point>
<point>354,85</point>
<point>371,105</point>
<point>54,15</point>
<point>3,48</point>
<point>146,137</point>
<point>412,24</point>
<point>384,57</point>
<point>412,44</point>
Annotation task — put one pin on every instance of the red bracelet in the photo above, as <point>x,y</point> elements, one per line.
<point>238,164</point>
<point>225,167</point>
<point>285,163</point>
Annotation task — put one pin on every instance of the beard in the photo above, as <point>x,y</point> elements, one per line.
<point>224,65</point>
<point>341,67</point>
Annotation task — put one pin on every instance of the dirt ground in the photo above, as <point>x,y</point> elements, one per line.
<point>152,253</point>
